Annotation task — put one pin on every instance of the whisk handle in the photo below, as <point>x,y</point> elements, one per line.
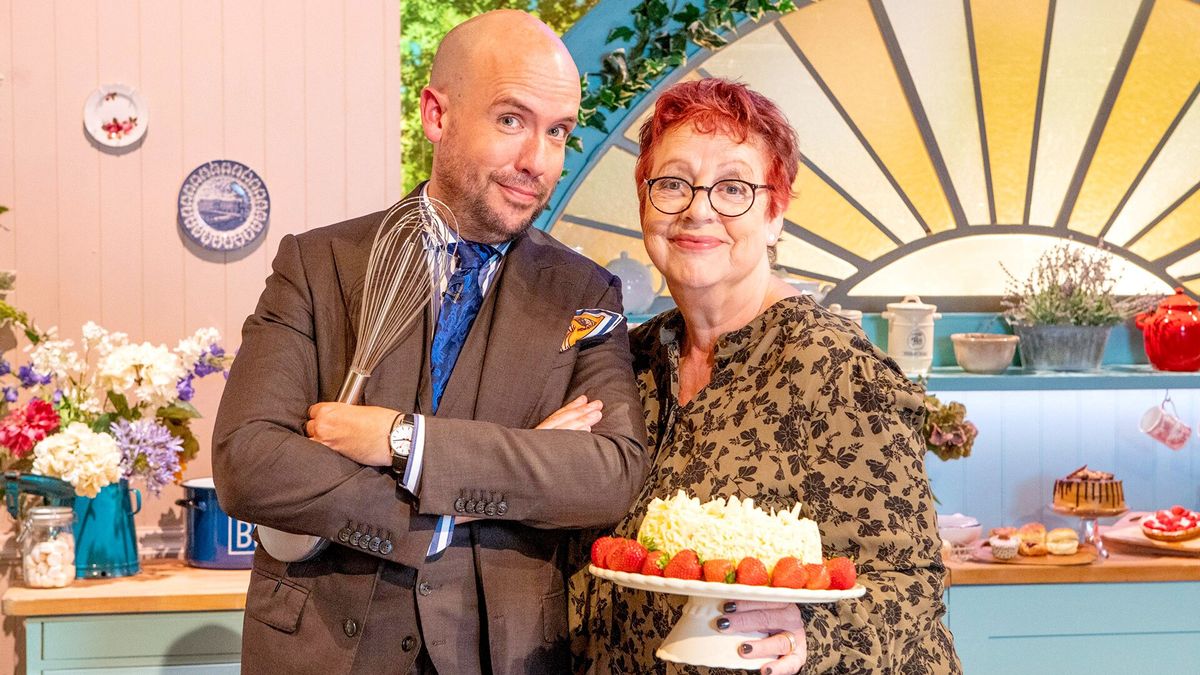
<point>352,388</point>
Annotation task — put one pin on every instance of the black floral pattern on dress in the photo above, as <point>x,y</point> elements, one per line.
<point>802,408</point>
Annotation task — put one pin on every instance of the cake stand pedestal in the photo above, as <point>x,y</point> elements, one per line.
<point>1091,528</point>
<point>695,639</point>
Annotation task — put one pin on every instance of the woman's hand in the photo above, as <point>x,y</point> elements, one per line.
<point>787,643</point>
<point>359,432</point>
<point>578,415</point>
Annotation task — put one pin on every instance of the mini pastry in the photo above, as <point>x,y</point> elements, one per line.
<point>1033,532</point>
<point>1062,541</point>
<point>1009,532</point>
<point>1004,547</point>
<point>1032,549</point>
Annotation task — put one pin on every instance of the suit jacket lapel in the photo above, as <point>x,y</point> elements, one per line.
<point>531,315</point>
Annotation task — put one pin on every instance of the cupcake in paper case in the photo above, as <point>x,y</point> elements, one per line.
<point>1004,547</point>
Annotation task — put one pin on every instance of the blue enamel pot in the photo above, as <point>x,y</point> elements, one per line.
<point>214,540</point>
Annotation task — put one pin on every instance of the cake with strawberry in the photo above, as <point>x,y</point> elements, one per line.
<point>1173,525</point>
<point>726,541</point>
<point>1087,491</point>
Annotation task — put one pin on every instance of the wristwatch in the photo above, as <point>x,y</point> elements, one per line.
<point>400,439</point>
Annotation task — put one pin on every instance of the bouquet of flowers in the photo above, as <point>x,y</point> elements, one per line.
<point>947,432</point>
<point>109,410</point>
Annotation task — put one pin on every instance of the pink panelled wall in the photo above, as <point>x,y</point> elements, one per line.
<point>305,93</point>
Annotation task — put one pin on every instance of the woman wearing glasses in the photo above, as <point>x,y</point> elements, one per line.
<point>753,390</point>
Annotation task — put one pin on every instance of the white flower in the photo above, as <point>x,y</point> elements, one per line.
<point>190,348</point>
<point>85,459</point>
<point>96,337</point>
<point>145,373</point>
<point>58,358</point>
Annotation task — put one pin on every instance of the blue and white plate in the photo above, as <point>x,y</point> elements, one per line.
<point>224,205</point>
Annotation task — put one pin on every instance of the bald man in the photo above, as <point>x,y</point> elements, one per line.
<point>453,520</point>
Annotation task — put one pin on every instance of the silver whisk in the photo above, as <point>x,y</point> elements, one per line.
<point>411,252</point>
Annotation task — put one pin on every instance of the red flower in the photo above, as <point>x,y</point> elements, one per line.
<point>24,427</point>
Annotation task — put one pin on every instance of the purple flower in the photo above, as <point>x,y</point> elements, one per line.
<point>5,368</point>
<point>11,394</point>
<point>184,388</point>
<point>149,450</point>
<point>31,378</point>
<point>216,350</point>
<point>56,397</point>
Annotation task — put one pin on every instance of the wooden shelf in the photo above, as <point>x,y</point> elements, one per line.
<point>162,586</point>
<point>1118,568</point>
<point>1135,376</point>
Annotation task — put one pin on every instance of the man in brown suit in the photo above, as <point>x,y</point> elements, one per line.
<point>483,595</point>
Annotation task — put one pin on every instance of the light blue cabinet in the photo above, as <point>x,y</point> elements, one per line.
<point>1089,628</point>
<point>175,643</point>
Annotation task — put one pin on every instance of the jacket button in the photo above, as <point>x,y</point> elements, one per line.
<point>408,643</point>
<point>350,627</point>
<point>491,509</point>
<point>344,535</point>
<point>386,547</point>
<point>502,508</point>
<point>365,542</point>
<point>471,505</point>
<point>460,504</point>
<point>375,544</point>
<point>424,588</point>
<point>355,537</point>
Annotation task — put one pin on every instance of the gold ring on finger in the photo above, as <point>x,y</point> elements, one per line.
<point>791,641</point>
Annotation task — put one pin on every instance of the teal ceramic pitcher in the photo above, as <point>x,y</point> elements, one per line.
<point>105,538</point>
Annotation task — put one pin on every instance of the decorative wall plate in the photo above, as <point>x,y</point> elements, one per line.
<point>224,205</point>
<point>116,115</point>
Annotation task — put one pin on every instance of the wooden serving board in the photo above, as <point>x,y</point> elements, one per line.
<point>1084,556</point>
<point>1132,536</point>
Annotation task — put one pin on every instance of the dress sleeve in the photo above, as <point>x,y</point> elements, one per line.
<point>861,466</point>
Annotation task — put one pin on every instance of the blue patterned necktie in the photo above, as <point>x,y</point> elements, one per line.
<point>460,305</point>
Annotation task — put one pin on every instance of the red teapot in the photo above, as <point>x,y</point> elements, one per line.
<point>1172,333</point>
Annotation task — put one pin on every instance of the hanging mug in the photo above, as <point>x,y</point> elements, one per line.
<point>1165,427</point>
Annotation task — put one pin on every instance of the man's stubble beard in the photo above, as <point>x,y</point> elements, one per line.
<point>466,196</point>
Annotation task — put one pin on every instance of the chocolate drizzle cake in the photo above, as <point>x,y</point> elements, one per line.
<point>1085,490</point>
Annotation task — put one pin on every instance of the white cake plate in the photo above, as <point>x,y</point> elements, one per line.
<point>695,639</point>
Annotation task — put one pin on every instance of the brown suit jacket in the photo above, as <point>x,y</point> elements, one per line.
<point>494,601</point>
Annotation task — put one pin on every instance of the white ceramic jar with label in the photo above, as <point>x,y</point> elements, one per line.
<point>910,334</point>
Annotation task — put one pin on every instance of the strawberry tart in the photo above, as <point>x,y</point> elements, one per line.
<point>1173,525</point>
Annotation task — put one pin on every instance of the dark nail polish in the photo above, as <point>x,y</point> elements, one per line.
<point>729,608</point>
<point>746,648</point>
<point>722,623</point>
<point>766,671</point>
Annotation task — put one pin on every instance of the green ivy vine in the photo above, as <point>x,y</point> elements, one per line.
<point>660,33</point>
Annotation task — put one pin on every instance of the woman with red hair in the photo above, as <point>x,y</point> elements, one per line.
<point>753,390</point>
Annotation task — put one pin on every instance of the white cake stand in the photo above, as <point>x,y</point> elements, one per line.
<point>695,639</point>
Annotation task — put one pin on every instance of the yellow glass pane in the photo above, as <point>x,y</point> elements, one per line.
<point>819,209</point>
<point>1008,45</point>
<point>842,41</point>
<point>1193,286</point>
<point>1164,70</point>
<point>608,193</point>
<point>602,246</point>
<point>1180,227</point>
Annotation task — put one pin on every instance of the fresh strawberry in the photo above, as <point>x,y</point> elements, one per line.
<point>789,573</point>
<point>719,571</point>
<point>818,577</point>
<point>626,555</point>
<point>1179,510</point>
<point>600,549</point>
<point>842,574</point>
<point>685,565</point>
<point>752,572</point>
<point>655,562</point>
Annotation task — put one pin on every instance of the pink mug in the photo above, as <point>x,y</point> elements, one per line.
<point>1165,427</point>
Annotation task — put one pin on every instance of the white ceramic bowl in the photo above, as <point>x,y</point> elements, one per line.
<point>984,353</point>
<point>957,529</point>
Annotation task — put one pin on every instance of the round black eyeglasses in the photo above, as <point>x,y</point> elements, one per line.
<point>730,197</point>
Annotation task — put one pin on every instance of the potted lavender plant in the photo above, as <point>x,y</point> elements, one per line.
<point>1064,311</point>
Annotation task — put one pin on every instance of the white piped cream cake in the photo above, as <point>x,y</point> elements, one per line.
<point>730,529</point>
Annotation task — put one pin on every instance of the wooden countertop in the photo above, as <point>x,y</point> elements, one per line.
<point>162,586</point>
<point>1119,567</point>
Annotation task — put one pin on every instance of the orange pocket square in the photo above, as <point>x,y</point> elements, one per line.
<point>590,325</point>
